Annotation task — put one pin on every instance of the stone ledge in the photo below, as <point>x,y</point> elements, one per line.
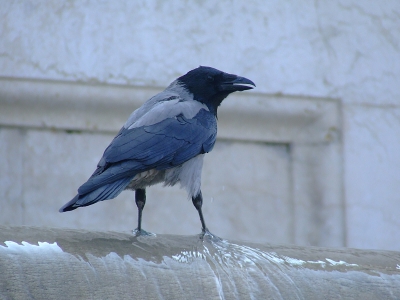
<point>45,263</point>
<point>94,107</point>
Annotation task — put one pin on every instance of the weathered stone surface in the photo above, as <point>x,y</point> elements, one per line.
<point>343,50</point>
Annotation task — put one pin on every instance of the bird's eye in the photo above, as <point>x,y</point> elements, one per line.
<point>210,78</point>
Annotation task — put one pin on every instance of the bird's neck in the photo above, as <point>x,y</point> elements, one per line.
<point>214,102</point>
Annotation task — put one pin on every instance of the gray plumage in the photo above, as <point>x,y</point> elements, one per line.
<point>164,140</point>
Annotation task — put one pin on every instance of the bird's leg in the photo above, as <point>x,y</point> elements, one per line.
<point>198,202</point>
<point>140,199</point>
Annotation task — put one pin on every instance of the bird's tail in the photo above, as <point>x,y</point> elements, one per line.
<point>105,192</point>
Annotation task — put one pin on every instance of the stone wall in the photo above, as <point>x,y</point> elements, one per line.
<point>71,72</point>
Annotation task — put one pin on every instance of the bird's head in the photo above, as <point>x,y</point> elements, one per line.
<point>210,86</point>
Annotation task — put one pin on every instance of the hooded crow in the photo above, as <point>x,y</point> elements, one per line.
<point>163,141</point>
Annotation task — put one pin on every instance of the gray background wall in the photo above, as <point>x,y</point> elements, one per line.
<point>321,132</point>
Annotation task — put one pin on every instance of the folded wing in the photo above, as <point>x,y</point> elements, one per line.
<point>163,145</point>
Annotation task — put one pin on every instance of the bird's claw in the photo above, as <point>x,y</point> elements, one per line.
<point>141,232</point>
<point>206,234</point>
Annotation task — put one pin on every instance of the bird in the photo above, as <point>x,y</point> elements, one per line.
<point>163,141</point>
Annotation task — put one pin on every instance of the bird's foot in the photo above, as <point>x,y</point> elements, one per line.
<point>207,235</point>
<point>141,232</point>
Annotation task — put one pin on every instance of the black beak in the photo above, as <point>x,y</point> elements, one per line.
<point>235,83</point>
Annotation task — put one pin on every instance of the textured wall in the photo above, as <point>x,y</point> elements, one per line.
<point>343,50</point>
